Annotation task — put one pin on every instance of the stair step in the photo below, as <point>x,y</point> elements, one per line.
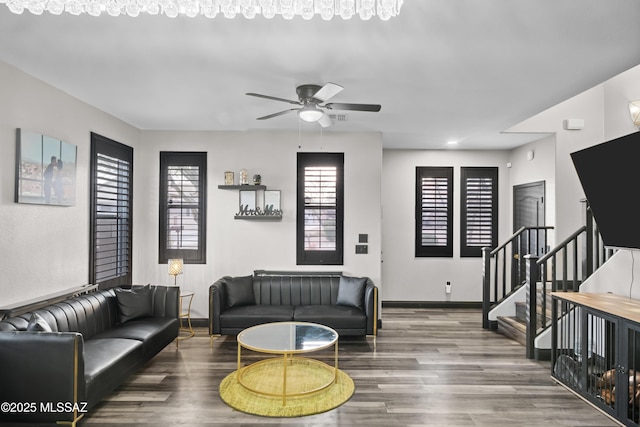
<point>521,311</point>
<point>513,328</point>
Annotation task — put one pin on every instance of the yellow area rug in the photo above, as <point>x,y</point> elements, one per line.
<point>302,375</point>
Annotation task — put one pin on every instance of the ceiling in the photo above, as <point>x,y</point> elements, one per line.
<point>462,70</point>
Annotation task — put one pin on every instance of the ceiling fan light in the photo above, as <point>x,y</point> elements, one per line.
<point>310,114</point>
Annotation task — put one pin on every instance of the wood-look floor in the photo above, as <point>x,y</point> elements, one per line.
<point>428,367</point>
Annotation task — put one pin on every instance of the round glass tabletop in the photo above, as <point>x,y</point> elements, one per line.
<point>287,337</point>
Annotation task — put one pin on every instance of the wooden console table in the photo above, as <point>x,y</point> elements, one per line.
<point>20,307</point>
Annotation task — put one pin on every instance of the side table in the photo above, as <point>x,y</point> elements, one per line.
<point>186,331</point>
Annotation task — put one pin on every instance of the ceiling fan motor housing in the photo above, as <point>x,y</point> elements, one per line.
<point>306,92</point>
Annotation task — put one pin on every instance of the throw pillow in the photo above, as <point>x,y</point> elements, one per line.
<point>351,291</point>
<point>38,324</point>
<point>134,303</point>
<point>239,291</point>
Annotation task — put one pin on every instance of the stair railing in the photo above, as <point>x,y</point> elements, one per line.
<point>500,277</point>
<point>580,254</point>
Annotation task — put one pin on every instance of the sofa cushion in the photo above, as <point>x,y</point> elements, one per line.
<point>108,362</point>
<point>38,324</point>
<point>351,291</point>
<point>239,291</point>
<point>134,303</point>
<point>154,332</point>
<point>334,316</point>
<point>247,316</point>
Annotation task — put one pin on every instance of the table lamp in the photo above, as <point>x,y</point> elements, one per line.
<point>175,268</point>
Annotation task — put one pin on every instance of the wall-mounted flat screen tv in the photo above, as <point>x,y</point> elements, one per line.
<point>610,176</point>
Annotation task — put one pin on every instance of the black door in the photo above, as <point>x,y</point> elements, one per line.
<point>528,211</point>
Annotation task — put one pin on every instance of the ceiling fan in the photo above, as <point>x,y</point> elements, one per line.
<point>310,98</point>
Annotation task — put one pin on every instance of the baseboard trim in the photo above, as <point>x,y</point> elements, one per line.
<point>543,354</point>
<point>204,323</point>
<point>431,304</point>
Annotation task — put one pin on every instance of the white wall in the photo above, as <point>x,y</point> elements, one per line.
<point>540,168</point>
<point>49,245</point>
<point>588,106</point>
<point>237,247</point>
<point>407,278</point>
<point>605,111</point>
<point>46,248</point>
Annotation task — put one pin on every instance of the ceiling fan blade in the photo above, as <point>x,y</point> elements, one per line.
<point>325,121</point>
<point>327,92</point>
<point>273,98</point>
<point>353,107</point>
<point>277,114</point>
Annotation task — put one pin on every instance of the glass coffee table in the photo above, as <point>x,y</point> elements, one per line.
<point>289,340</point>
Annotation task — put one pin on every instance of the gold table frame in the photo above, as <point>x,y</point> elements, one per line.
<point>185,313</point>
<point>288,356</point>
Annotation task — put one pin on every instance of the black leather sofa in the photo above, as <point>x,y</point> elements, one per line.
<point>346,304</point>
<point>59,361</point>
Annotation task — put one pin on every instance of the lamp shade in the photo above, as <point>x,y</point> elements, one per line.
<point>634,109</point>
<point>175,266</point>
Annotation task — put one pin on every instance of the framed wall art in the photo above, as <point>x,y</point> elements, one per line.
<point>247,200</point>
<point>271,200</point>
<point>45,170</point>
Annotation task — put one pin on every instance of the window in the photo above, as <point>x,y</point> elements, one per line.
<point>110,223</point>
<point>434,211</point>
<point>183,177</point>
<point>320,208</point>
<point>479,216</point>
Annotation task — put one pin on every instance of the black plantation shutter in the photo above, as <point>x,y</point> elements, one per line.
<point>320,208</point>
<point>111,197</point>
<point>183,177</point>
<point>479,201</point>
<point>182,207</point>
<point>434,211</point>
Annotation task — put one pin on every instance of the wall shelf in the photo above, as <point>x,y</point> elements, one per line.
<point>255,213</point>
<point>242,187</point>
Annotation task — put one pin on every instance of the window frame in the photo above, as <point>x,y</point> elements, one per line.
<point>319,257</point>
<point>446,250</point>
<point>183,158</point>
<point>477,172</point>
<point>101,145</point>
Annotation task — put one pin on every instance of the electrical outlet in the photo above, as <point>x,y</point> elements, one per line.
<point>362,249</point>
<point>447,288</point>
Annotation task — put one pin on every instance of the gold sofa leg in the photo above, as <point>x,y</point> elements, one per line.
<point>71,423</point>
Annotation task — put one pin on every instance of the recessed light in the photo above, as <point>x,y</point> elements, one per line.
<point>452,142</point>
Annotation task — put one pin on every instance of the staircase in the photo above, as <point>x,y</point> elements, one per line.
<point>515,327</point>
<point>563,269</point>
<point>504,268</point>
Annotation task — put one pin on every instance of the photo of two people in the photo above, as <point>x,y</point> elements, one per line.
<point>46,170</point>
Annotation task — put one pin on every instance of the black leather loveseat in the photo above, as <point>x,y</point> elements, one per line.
<point>59,361</point>
<point>346,304</point>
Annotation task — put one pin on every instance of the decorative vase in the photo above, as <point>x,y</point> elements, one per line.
<point>228,178</point>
